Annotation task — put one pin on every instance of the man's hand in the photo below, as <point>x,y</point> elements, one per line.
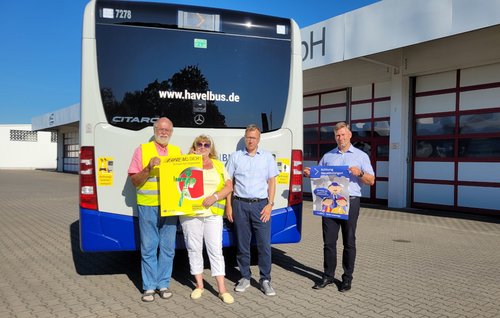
<point>229,213</point>
<point>139,178</point>
<point>307,172</point>
<point>355,171</point>
<point>265,214</point>
<point>155,161</point>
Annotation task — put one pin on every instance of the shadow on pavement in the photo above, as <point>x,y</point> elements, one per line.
<point>288,263</point>
<point>129,263</point>
<point>105,263</point>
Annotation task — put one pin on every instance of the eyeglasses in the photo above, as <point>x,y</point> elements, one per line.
<point>203,145</point>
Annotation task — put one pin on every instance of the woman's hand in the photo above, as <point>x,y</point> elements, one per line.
<point>208,201</point>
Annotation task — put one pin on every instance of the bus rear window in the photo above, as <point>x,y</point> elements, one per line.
<point>197,79</point>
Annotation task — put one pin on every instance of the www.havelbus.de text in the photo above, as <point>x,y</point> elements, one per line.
<point>208,96</point>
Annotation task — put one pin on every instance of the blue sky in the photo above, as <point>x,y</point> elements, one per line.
<point>41,42</point>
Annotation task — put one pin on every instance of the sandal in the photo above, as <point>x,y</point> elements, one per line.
<point>226,298</point>
<point>148,296</point>
<point>165,293</point>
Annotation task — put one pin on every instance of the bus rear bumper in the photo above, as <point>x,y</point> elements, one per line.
<point>286,226</point>
<point>102,231</point>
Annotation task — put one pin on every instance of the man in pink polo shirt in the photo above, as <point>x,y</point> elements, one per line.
<point>155,232</point>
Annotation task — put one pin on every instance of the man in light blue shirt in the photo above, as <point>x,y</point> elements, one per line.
<point>361,172</point>
<point>254,172</point>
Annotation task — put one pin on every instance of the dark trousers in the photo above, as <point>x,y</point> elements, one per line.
<point>331,228</point>
<point>247,222</point>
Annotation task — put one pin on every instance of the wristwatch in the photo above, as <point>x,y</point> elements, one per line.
<point>361,174</point>
<point>270,202</point>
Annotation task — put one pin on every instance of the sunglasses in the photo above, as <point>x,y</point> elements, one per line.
<point>203,145</point>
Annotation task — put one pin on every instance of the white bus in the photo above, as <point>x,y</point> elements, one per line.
<point>210,71</point>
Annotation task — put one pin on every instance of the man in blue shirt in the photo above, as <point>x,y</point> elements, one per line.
<point>361,172</point>
<point>254,174</point>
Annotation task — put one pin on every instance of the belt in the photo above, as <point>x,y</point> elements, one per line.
<point>254,200</point>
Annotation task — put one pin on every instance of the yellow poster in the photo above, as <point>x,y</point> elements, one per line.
<point>181,185</point>
<point>105,171</point>
<point>284,170</point>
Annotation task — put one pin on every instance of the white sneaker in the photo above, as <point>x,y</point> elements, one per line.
<point>266,287</point>
<point>242,285</point>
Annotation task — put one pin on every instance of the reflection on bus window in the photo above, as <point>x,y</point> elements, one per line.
<point>234,81</point>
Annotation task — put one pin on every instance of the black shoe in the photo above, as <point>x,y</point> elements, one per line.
<point>323,283</point>
<point>344,286</point>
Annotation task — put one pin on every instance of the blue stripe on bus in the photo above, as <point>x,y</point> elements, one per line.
<point>102,231</point>
<point>286,225</point>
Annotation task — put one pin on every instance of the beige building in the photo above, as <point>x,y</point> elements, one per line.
<point>419,82</point>
<point>23,148</point>
<point>63,123</point>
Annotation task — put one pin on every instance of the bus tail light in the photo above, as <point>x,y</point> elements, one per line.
<point>295,195</point>
<point>88,193</point>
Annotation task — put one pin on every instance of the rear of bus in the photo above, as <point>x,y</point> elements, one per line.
<point>211,72</point>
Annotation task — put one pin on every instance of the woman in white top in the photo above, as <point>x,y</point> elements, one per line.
<point>206,225</point>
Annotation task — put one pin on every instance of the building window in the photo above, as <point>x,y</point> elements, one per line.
<point>53,136</point>
<point>71,151</point>
<point>321,112</point>
<point>23,135</point>
<point>71,146</point>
